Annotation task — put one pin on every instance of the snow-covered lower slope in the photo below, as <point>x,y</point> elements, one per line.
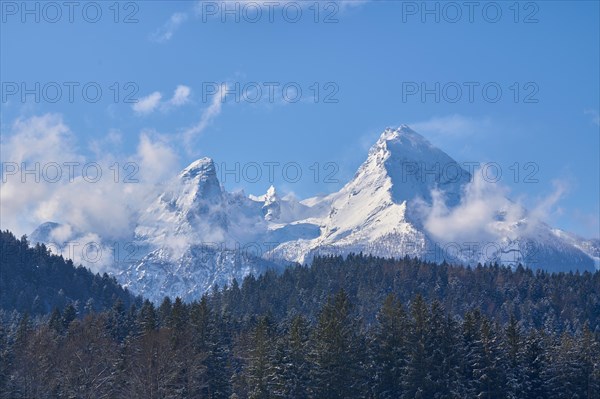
<point>197,270</point>
<point>591,247</point>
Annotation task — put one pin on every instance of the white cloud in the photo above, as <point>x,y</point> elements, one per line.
<point>166,32</point>
<point>208,114</point>
<point>475,218</point>
<point>37,144</point>
<point>104,208</point>
<point>152,102</point>
<point>40,138</point>
<point>181,96</point>
<point>486,213</point>
<point>156,158</point>
<point>62,233</point>
<point>546,208</point>
<point>146,105</point>
<point>108,142</point>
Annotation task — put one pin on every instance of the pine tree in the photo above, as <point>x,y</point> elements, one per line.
<point>488,370</point>
<point>534,368</point>
<point>6,362</point>
<point>443,354</point>
<point>388,349</point>
<point>218,371</point>
<point>56,321</point>
<point>473,353</point>
<point>259,371</point>
<point>512,352</point>
<point>416,380</point>
<point>337,351</point>
<point>69,314</point>
<point>291,363</point>
<point>590,358</point>
<point>23,330</point>
<point>178,320</point>
<point>147,319</point>
<point>164,312</point>
<point>571,369</point>
<point>117,321</point>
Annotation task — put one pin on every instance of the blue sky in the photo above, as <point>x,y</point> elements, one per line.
<point>173,55</point>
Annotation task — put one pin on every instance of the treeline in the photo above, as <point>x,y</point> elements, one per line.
<point>178,350</point>
<point>35,281</point>
<point>549,301</point>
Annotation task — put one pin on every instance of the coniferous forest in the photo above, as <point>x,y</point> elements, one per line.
<point>34,281</point>
<point>355,327</point>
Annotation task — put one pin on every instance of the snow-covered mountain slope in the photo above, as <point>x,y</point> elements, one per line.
<point>590,247</point>
<point>188,275</point>
<point>386,210</point>
<point>407,198</point>
<point>192,206</point>
<point>369,214</point>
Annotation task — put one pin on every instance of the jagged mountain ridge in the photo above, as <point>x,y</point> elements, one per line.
<point>195,235</point>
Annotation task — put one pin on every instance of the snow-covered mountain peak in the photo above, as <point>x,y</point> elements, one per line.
<point>199,183</point>
<point>405,144</point>
<point>269,196</point>
<point>403,135</point>
<point>272,207</point>
<point>202,173</point>
<point>271,193</point>
<point>203,167</point>
<point>408,166</point>
<point>43,233</point>
<point>192,206</point>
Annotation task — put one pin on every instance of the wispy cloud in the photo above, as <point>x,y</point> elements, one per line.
<point>595,116</point>
<point>148,104</point>
<point>548,207</point>
<point>347,4</point>
<point>181,96</point>
<point>152,102</point>
<point>208,114</point>
<point>166,32</point>
<point>214,10</point>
